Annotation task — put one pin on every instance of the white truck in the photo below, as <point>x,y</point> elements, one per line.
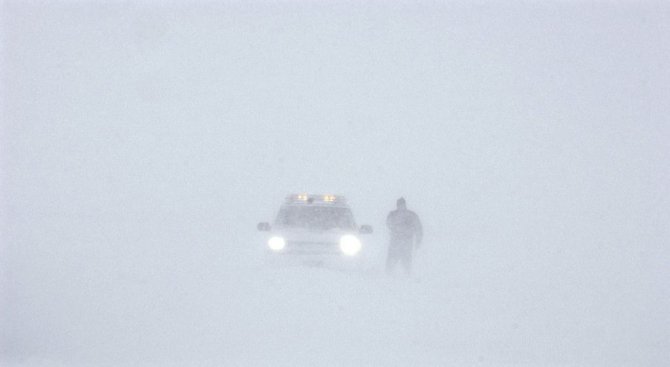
<point>314,229</point>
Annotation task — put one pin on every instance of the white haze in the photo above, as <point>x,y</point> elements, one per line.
<point>141,142</point>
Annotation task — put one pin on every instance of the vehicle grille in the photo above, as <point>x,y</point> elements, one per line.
<point>311,247</point>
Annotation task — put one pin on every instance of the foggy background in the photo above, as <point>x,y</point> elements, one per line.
<point>141,142</point>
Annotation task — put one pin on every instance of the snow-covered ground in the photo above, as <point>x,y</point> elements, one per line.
<point>179,299</point>
<point>141,144</point>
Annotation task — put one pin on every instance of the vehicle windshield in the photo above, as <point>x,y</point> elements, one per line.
<point>315,217</point>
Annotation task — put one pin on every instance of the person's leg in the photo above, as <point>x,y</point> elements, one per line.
<point>407,261</point>
<point>390,262</point>
<point>391,259</point>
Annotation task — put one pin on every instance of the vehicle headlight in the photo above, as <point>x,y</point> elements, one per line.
<point>276,243</point>
<point>350,245</point>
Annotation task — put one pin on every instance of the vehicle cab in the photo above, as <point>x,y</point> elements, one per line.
<point>315,227</point>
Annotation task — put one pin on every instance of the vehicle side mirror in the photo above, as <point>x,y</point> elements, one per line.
<point>365,229</point>
<point>263,226</point>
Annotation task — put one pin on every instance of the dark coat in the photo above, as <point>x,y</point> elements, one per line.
<point>404,225</point>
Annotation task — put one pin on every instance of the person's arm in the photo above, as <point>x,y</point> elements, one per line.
<point>418,231</point>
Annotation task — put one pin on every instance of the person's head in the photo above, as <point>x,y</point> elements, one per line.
<point>401,204</point>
